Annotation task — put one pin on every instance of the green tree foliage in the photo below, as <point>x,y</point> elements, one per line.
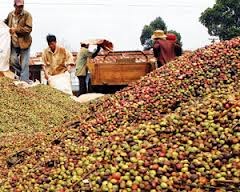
<point>146,33</point>
<point>148,30</point>
<point>158,23</point>
<point>223,20</point>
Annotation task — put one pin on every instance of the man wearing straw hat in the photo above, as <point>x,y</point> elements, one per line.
<point>20,23</point>
<point>163,50</point>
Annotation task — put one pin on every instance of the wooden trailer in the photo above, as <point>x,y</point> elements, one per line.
<point>119,67</point>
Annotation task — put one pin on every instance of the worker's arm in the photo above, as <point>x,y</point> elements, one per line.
<point>97,51</point>
<point>26,29</point>
<point>45,65</point>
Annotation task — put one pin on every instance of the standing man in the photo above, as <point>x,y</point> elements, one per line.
<point>20,23</point>
<point>56,59</point>
<point>164,50</point>
<point>81,66</point>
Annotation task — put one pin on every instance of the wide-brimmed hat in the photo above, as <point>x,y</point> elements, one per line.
<point>158,34</point>
<point>18,2</point>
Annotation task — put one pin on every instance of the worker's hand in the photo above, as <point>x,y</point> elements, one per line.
<point>45,72</point>
<point>46,76</point>
<point>12,30</point>
<point>70,67</point>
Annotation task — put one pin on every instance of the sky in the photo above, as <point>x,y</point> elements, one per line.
<point>120,21</point>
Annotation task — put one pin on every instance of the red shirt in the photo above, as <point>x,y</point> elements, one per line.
<point>164,51</point>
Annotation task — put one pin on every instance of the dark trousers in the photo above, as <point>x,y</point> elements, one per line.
<point>82,85</point>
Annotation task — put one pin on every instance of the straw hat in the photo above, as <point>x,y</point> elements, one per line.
<point>18,2</point>
<point>158,34</point>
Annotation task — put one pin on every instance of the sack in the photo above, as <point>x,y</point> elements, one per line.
<point>87,97</point>
<point>62,82</point>
<point>8,74</point>
<point>5,41</point>
<point>24,84</point>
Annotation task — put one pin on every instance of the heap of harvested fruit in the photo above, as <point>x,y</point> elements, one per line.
<point>178,129</point>
<point>34,109</point>
<point>162,91</point>
<point>28,115</point>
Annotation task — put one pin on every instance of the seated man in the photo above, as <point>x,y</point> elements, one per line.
<point>56,59</point>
